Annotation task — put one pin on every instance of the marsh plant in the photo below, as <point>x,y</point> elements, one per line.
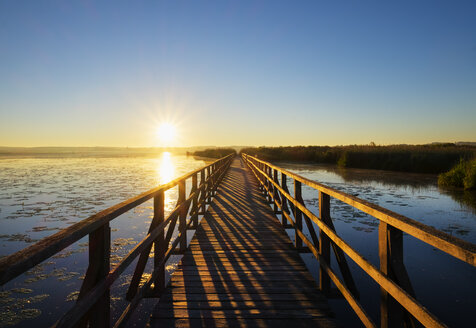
<point>462,175</point>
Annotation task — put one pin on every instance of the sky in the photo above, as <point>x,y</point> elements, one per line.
<point>108,73</point>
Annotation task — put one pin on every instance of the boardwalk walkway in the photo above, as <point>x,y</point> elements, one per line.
<point>241,268</point>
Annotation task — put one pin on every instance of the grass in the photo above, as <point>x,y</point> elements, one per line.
<point>436,158</point>
<point>214,152</point>
<point>462,175</point>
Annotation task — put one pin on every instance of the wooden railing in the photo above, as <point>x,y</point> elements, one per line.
<point>398,306</point>
<point>93,305</point>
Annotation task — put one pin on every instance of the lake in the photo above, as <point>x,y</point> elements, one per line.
<point>39,196</point>
<point>446,286</point>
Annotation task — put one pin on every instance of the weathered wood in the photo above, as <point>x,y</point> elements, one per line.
<point>324,242</point>
<point>144,256</point>
<point>241,252</point>
<point>182,217</point>
<point>348,295</point>
<point>160,246</point>
<point>203,198</point>
<point>94,293</point>
<point>456,247</point>
<point>341,260</point>
<point>98,269</point>
<point>297,215</point>
<point>391,263</point>
<point>194,215</point>
<point>406,300</point>
<point>13,265</point>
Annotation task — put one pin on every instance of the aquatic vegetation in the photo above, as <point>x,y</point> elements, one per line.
<point>462,175</point>
<point>21,290</point>
<point>72,296</point>
<point>13,311</point>
<point>406,158</point>
<point>10,317</point>
<point>18,237</point>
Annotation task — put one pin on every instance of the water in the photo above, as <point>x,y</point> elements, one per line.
<point>444,285</point>
<point>39,196</point>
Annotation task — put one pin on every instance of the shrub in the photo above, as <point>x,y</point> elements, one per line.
<point>462,175</point>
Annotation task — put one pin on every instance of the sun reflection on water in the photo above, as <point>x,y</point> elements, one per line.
<point>166,168</point>
<point>165,173</point>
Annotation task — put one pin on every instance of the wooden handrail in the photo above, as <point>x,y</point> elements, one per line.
<point>456,247</point>
<point>15,264</point>
<point>94,302</point>
<point>392,276</point>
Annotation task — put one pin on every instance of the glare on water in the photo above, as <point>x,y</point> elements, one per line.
<point>39,196</point>
<point>165,168</point>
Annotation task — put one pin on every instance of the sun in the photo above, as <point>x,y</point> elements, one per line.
<point>166,132</point>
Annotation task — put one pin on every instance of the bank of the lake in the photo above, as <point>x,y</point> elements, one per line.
<point>429,158</point>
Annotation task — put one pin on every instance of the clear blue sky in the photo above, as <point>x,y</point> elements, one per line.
<point>86,73</point>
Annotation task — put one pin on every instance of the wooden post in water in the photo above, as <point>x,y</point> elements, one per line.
<point>297,215</point>
<point>324,242</point>
<point>182,217</point>
<point>159,243</point>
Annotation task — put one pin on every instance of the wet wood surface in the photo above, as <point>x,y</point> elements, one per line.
<point>241,269</point>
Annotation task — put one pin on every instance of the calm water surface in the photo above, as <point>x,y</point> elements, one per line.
<point>446,286</point>
<point>40,196</point>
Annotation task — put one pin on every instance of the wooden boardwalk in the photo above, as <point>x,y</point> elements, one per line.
<point>241,268</point>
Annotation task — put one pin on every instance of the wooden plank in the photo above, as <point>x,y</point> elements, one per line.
<point>239,313</point>
<point>228,305</point>
<point>278,297</point>
<point>321,322</point>
<point>240,265</point>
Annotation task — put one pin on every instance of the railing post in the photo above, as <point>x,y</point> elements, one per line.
<point>391,264</point>
<point>276,197</point>
<point>182,217</point>
<point>284,201</point>
<point>270,186</point>
<point>98,269</point>
<point>203,191</point>
<point>208,188</point>
<point>216,170</point>
<point>297,214</point>
<point>324,242</point>
<point>159,243</point>
<point>194,217</point>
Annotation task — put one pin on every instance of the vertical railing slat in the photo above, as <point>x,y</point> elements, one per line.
<point>194,216</point>
<point>98,269</point>
<point>297,214</point>
<point>391,264</point>
<point>182,217</point>
<point>159,244</point>
<point>324,242</point>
